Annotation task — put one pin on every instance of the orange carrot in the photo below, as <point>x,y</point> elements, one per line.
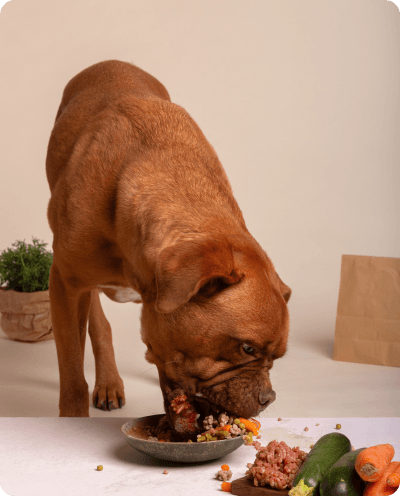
<point>223,428</point>
<point>225,467</point>
<point>380,487</point>
<point>250,426</point>
<point>394,478</point>
<point>256,423</point>
<point>226,486</point>
<point>372,462</point>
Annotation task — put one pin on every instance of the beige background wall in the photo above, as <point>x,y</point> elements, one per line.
<point>300,99</point>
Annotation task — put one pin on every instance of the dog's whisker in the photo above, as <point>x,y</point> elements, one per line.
<point>150,368</point>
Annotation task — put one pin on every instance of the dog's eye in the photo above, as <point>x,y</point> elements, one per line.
<point>247,348</point>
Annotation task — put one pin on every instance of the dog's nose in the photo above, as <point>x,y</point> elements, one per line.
<point>267,397</point>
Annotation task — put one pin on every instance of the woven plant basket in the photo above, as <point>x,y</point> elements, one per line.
<point>26,316</point>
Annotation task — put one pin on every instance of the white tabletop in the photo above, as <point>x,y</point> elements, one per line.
<point>59,456</point>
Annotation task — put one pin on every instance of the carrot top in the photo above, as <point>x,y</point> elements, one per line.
<point>380,487</point>
<point>372,462</point>
<point>394,478</point>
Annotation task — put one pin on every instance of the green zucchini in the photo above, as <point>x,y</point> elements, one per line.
<point>325,453</point>
<point>342,478</point>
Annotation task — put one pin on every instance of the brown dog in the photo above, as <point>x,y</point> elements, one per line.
<point>142,210</point>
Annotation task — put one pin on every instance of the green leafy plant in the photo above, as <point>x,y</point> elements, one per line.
<point>26,268</point>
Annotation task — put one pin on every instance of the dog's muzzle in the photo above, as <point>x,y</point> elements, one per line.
<point>266,398</point>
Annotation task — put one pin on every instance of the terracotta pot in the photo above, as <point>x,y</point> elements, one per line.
<point>26,316</point>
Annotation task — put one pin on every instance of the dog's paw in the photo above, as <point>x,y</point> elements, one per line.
<point>109,396</point>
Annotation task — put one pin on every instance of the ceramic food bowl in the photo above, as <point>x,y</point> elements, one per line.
<point>136,436</point>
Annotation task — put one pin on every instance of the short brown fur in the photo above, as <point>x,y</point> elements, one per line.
<point>139,200</point>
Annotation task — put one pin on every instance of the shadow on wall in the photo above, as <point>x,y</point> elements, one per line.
<point>322,345</point>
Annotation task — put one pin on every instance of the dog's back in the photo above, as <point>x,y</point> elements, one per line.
<point>87,95</point>
<point>113,76</point>
<point>113,117</point>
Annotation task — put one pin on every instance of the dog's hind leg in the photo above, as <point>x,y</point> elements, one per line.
<point>108,393</point>
<point>69,313</point>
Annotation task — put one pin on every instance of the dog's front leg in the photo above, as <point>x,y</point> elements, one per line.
<point>108,393</point>
<point>69,314</point>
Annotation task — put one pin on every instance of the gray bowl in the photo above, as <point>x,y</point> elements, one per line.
<point>135,435</point>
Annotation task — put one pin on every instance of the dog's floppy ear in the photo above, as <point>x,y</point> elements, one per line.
<point>285,290</point>
<point>183,268</point>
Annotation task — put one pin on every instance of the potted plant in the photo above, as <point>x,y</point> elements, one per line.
<point>24,300</point>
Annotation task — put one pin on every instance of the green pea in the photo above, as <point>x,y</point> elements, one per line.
<point>222,433</point>
<point>242,426</point>
<point>237,421</point>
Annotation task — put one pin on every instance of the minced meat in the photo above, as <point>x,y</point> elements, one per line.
<point>275,464</point>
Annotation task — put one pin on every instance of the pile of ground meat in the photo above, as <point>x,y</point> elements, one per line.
<point>275,464</point>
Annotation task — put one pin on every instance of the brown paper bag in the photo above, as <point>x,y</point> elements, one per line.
<point>26,316</point>
<point>368,313</point>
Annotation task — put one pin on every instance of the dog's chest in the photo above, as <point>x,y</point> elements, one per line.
<point>121,294</point>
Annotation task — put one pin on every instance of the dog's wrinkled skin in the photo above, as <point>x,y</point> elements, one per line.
<point>204,351</point>
<point>142,210</point>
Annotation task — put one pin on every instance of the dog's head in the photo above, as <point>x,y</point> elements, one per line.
<point>216,323</point>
